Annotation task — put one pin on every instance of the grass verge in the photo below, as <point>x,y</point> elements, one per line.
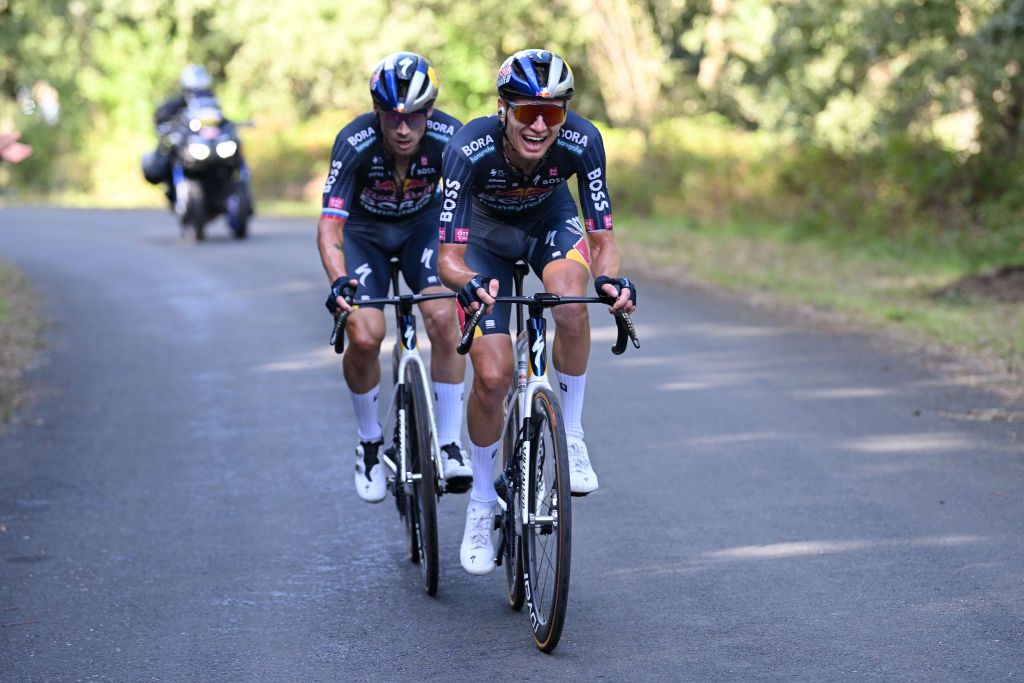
<point>20,337</point>
<point>907,289</point>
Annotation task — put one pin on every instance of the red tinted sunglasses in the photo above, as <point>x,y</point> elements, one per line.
<point>527,112</point>
<point>394,119</point>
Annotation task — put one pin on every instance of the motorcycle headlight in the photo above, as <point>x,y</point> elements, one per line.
<point>198,151</point>
<point>227,148</point>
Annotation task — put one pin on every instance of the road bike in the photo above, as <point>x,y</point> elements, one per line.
<point>413,458</point>
<point>534,522</point>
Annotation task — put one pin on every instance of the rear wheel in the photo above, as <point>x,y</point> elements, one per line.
<point>547,534</point>
<point>424,489</point>
<point>513,559</point>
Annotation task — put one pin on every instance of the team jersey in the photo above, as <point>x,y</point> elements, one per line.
<point>362,183</point>
<point>475,168</point>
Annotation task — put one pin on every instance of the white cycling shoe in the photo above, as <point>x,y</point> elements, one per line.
<point>370,484</point>
<point>477,551</point>
<point>582,478</point>
<point>458,473</point>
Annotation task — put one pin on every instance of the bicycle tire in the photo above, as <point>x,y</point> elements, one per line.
<point>404,499</point>
<point>547,546</point>
<point>424,489</point>
<point>513,559</point>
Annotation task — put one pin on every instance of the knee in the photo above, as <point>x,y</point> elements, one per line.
<point>572,319</point>
<point>364,343</point>
<point>441,325</point>
<point>491,383</point>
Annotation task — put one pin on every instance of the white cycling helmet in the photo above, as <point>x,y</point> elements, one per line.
<point>195,77</point>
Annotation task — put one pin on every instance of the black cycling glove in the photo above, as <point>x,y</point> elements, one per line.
<point>467,295</point>
<point>341,287</point>
<point>618,283</point>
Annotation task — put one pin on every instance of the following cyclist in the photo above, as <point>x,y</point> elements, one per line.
<point>506,198</point>
<point>380,200</point>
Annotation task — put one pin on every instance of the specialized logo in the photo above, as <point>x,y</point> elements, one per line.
<point>405,66</point>
<point>363,272</point>
<point>538,356</point>
<point>550,239</point>
<point>597,193</point>
<point>410,337</point>
<point>425,259</point>
<point>476,149</point>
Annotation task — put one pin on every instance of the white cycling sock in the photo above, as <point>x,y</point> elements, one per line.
<point>483,472</point>
<point>572,389</point>
<point>449,413</point>
<point>365,406</point>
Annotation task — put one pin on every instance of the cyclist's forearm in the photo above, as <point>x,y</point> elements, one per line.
<point>451,266</point>
<point>604,256</point>
<point>330,241</point>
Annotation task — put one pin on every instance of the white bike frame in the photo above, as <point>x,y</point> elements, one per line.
<point>410,355</point>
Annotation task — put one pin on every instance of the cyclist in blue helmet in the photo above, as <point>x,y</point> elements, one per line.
<point>381,200</point>
<point>506,198</point>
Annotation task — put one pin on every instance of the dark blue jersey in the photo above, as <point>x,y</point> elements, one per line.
<point>475,168</point>
<point>362,181</point>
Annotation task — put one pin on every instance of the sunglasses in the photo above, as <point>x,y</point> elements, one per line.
<point>527,112</point>
<point>394,119</point>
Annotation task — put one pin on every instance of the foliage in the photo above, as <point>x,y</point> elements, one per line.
<point>837,116</point>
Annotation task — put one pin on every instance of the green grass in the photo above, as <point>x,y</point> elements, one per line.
<point>873,281</point>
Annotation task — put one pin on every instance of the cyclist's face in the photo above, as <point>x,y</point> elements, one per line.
<point>532,125</point>
<point>402,132</point>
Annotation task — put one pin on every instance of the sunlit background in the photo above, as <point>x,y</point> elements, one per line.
<point>874,115</point>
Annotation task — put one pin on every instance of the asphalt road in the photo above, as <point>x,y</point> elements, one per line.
<point>776,502</point>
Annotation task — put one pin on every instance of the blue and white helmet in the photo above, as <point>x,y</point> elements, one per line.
<point>195,77</point>
<point>404,82</point>
<point>537,74</point>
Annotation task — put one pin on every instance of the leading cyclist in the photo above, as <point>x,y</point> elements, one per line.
<point>380,200</point>
<point>506,198</point>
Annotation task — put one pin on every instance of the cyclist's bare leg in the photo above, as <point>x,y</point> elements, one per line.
<point>492,375</point>
<point>365,331</point>
<point>447,370</point>
<point>440,319</point>
<point>572,322</point>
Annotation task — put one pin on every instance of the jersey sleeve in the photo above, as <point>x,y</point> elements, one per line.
<point>593,186</point>
<point>456,198</point>
<point>341,180</point>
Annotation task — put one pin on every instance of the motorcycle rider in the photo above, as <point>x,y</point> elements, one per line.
<point>196,84</point>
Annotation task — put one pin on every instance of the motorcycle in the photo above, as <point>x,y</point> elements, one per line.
<point>208,175</point>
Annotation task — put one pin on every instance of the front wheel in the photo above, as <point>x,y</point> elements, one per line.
<point>424,490</point>
<point>513,559</point>
<point>547,533</point>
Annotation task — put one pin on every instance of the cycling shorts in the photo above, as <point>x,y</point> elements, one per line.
<point>370,244</point>
<point>495,245</point>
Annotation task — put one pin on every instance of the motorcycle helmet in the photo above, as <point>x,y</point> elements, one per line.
<point>536,74</point>
<point>195,77</point>
<point>404,82</point>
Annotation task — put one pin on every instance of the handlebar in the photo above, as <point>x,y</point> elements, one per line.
<point>338,334</point>
<point>626,329</point>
